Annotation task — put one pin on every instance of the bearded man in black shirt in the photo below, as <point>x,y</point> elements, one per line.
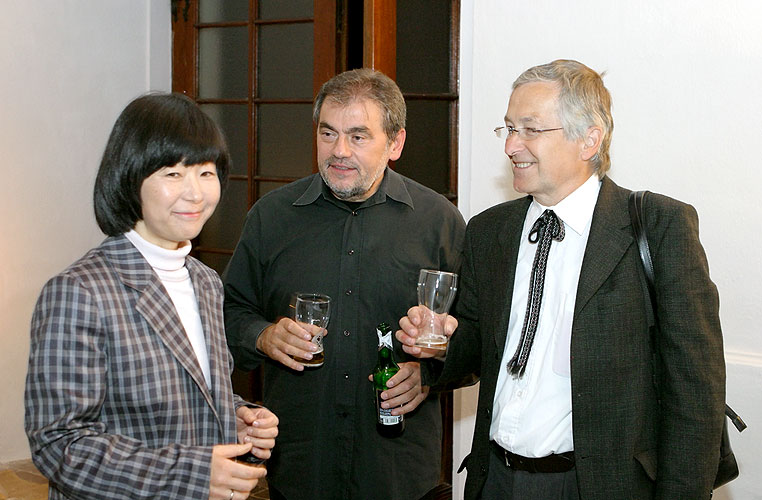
<point>358,232</point>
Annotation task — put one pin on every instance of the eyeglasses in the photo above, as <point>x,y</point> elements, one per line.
<point>525,133</point>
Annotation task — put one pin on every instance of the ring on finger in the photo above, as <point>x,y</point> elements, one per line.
<point>232,492</point>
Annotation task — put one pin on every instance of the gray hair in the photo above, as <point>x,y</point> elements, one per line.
<point>583,102</point>
<point>365,83</point>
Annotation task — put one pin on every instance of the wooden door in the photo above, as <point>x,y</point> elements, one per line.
<point>255,65</point>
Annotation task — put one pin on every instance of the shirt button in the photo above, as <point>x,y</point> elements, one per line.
<point>354,212</point>
<point>348,292</point>
<point>346,333</point>
<point>350,252</point>
<point>346,376</point>
<point>519,393</point>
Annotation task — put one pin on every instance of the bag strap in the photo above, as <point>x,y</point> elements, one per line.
<point>636,203</point>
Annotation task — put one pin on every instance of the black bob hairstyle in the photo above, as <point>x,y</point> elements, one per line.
<point>155,130</point>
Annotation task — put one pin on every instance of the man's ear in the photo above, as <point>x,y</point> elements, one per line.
<point>395,149</point>
<point>591,143</point>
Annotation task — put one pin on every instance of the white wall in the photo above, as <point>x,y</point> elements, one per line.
<point>685,77</point>
<point>68,69</point>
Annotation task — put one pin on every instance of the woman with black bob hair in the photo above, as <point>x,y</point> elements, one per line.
<point>153,131</point>
<point>128,393</point>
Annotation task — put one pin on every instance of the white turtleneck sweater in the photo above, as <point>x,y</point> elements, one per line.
<point>169,265</point>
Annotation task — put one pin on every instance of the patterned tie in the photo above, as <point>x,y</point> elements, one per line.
<point>545,229</point>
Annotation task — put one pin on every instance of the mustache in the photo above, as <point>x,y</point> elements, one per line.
<point>339,161</point>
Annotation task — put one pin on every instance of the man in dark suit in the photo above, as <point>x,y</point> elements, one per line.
<point>577,398</point>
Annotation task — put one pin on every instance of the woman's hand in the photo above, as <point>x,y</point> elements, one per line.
<point>258,426</point>
<point>230,479</point>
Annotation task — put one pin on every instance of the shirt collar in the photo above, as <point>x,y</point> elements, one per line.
<point>392,186</point>
<point>576,210</point>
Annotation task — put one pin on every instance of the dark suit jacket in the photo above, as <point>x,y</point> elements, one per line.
<point>630,440</point>
<point>116,403</point>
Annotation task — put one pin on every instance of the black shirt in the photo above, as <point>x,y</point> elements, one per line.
<point>300,238</point>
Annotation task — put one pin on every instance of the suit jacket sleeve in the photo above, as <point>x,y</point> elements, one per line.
<point>65,390</point>
<point>463,360</point>
<point>692,369</point>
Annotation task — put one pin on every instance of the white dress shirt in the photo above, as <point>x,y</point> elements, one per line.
<point>532,415</point>
<point>169,265</point>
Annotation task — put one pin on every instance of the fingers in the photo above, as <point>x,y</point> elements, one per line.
<point>228,476</point>
<point>265,420</point>
<point>409,372</point>
<point>413,403</point>
<point>285,339</point>
<point>415,315</point>
<point>450,325</point>
<point>405,392</point>
<point>406,335</point>
<point>230,450</point>
<point>409,326</point>
<point>261,432</point>
<point>408,332</point>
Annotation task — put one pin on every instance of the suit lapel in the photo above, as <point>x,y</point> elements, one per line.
<point>155,306</point>
<point>610,236</point>
<point>509,240</point>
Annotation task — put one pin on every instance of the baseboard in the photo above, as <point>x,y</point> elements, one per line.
<point>753,359</point>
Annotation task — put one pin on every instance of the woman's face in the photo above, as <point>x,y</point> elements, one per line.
<point>176,202</point>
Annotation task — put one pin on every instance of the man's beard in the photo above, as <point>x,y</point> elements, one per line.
<point>361,187</point>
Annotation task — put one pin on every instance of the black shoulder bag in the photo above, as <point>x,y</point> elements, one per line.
<point>728,467</point>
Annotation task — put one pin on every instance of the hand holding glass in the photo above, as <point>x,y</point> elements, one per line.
<point>313,309</point>
<point>436,291</point>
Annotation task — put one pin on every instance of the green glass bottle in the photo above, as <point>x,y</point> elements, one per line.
<point>387,425</point>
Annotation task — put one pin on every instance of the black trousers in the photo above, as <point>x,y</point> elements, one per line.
<point>504,483</point>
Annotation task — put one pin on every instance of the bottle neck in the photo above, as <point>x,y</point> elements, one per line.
<point>385,358</point>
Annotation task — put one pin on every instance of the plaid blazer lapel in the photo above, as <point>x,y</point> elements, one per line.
<point>156,307</point>
<point>208,289</point>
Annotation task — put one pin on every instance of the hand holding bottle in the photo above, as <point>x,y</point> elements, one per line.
<point>404,390</point>
<point>229,479</point>
<point>387,424</point>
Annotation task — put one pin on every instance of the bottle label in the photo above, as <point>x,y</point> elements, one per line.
<point>385,416</point>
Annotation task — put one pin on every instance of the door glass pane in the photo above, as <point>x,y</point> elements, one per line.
<point>223,228</point>
<point>266,187</point>
<point>223,63</point>
<point>285,61</point>
<point>426,155</point>
<point>284,145</point>
<point>423,24</point>
<point>232,118</point>
<point>278,9</point>
<point>214,11</point>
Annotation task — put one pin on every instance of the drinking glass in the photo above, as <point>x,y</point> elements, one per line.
<point>436,291</point>
<point>313,309</point>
